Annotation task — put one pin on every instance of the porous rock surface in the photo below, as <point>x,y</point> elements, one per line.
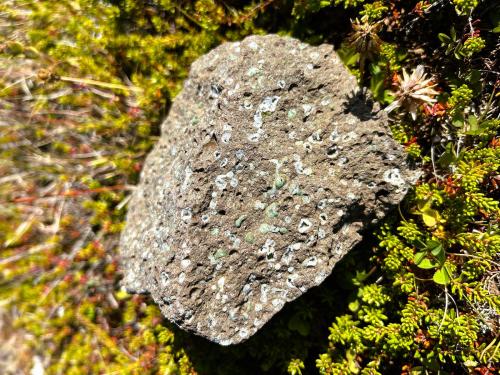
<point>268,168</point>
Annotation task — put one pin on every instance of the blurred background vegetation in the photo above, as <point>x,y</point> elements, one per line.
<point>84,85</point>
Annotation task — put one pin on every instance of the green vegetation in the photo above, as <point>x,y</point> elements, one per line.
<point>84,85</point>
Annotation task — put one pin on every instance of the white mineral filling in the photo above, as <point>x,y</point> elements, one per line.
<point>188,174</point>
<point>268,105</point>
<point>307,108</point>
<point>186,215</point>
<point>310,262</point>
<point>264,288</point>
<point>253,45</point>
<point>393,177</point>
<point>305,225</point>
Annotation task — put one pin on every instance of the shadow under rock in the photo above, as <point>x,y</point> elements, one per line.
<point>299,330</point>
<point>362,105</point>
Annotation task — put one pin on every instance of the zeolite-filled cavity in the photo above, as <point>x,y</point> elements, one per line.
<point>268,168</point>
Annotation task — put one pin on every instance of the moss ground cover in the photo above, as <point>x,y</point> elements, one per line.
<point>84,85</point>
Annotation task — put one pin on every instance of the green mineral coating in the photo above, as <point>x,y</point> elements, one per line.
<point>283,230</point>
<point>220,253</point>
<point>272,210</point>
<point>252,71</point>
<point>279,182</point>
<point>214,232</point>
<point>265,228</point>
<point>275,229</point>
<point>194,120</point>
<point>215,256</point>
<point>249,238</point>
<point>240,221</point>
<point>292,113</point>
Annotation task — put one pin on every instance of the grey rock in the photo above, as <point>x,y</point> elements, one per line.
<point>268,168</point>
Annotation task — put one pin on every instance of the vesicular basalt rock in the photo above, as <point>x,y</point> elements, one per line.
<point>268,168</point>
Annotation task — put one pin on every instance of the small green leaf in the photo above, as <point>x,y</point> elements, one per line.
<point>448,156</point>
<point>438,252</point>
<point>453,34</point>
<point>444,38</point>
<point>424,204</point>
<point>430,217</point>
<point>472,120</point>
<point>434,246</point>
<point>388,97</point>
<point>474,76</point>
<point>458,51</point>
<point>348,55</point>
<point>427,264</point>
<point>458,120</point>
<point>354,306</point>
<point>419,257</point>
<point>442,276</point>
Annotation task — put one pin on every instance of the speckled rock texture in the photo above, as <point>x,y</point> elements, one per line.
<point>268,168</point>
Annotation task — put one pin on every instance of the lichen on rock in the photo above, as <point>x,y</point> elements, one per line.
<point>268,169</point>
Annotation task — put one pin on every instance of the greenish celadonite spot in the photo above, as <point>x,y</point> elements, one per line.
<point>283,230</point>
<point>265,228</point>
<point>272,210</point>
<point>214,257</point>
<point>279,182</point>
<point>240,221</point>
<point>220,253</point>
<point>252,71</point>
<point>194,121</point>
<point>292,113</point>
<point>214,232</point>
<point>249,238</point>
